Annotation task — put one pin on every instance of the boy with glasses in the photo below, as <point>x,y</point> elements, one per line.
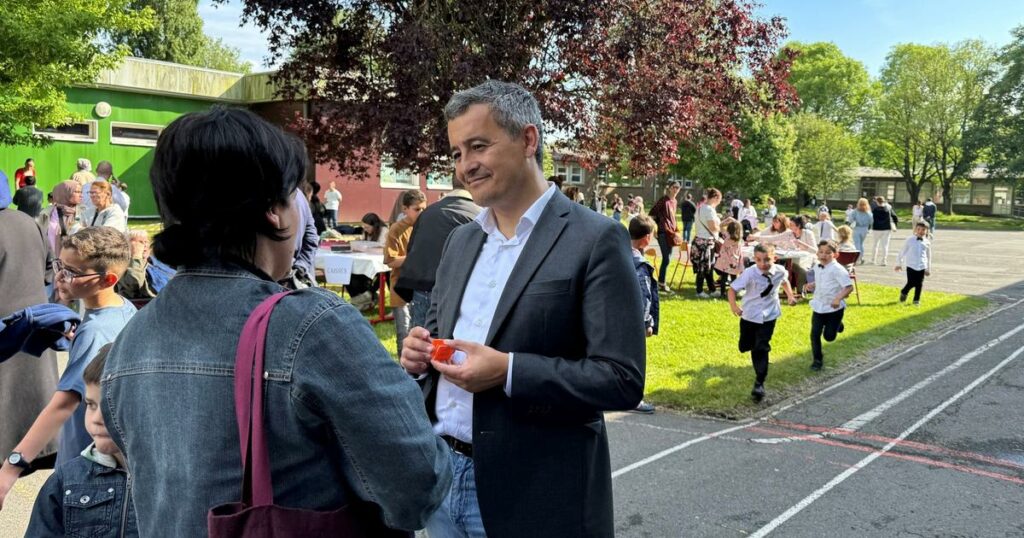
<point>91,262</point>
<point>760,310</point>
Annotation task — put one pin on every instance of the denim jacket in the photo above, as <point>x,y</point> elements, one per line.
<point>86,497</point>
<point>344,422</point>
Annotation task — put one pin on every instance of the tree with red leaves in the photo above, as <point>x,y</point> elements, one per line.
<point>626,79</point>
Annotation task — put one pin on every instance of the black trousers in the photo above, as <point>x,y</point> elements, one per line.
<point>705,277</point>
<point>757,339</point>
<point>665,244</point>
<point>915,280</point>
<point>827,324</point>
<point>724,279</point>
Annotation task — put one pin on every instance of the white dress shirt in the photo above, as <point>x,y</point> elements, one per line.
<point>498,256</point>
<point>756,308</point>
<point>825,230</point>
<point>829,281</point>
<point>917,253</point>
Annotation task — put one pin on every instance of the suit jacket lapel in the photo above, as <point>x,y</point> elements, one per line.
<point>466,256</point>
<point>542,238</point>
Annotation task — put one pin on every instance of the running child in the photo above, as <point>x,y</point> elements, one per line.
<point>761,309</point>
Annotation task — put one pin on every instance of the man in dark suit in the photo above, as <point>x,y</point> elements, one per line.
<point>539,297</point>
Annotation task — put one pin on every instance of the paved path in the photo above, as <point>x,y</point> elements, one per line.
<point>927,441</point>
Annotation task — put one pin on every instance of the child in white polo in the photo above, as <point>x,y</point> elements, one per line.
<point>917,257</point>
<point>760,310</point>
<point>830,284</point>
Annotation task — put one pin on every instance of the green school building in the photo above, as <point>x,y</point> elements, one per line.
<point>123,113</point>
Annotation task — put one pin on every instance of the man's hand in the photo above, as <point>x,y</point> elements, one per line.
<point>8,476</point>
<point>416,348</point>
<point>927,272</point>
<point>897,268</point>
<point>650,331</point>
<point>792,300</point>
<point>837,302</point>
<point>809,288</point>
<point>737,310</point>
<point>482,369</point>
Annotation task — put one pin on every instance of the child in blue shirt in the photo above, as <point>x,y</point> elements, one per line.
<point>641,232</point>
<point>89,495</point>
<point>91,262</point>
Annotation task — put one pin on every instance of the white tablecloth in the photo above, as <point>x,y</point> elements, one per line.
<point>364,264</point>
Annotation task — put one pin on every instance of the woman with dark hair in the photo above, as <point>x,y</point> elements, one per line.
<point>664,214</point>
<point>374,228</point>
<point>317,207</point>
<point>345,425</point>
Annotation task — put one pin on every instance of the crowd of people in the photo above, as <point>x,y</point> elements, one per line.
<point>491,421</point>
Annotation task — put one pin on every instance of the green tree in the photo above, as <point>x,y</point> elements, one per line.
<point>48,46</point>
<point>1000,118</point>
<point>899,130</point>
<point>827,155</point>
<point>178,37</point>
<point>831,84</point>
<point>764,165</point>
<point>953,112</point>
<point>216,54</point>
<point>929,96</point>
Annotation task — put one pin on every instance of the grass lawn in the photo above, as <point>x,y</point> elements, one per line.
<point>694,363</point>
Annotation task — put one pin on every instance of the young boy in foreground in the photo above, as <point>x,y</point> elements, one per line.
<point>89,495</point>
<point>91,262</point>
<point>760,310</point>
<point>831,286</point>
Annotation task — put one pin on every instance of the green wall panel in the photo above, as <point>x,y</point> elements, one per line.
<point>56,162</point>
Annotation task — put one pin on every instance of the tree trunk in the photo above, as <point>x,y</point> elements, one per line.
<point>947,198</point>
<point>914,189</point>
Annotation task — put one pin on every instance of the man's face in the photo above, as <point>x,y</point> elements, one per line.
<point>763,261</point>
<point>490,163</point>
<point>825,255</point>
<point>412,212</point>
<point>94,422</point>
<point>920,231</point>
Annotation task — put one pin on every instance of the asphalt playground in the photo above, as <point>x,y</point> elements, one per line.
<point>924,438</point>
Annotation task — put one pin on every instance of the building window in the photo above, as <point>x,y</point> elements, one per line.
<point>81,131</point>
<point>397,179</point>
<point>981,194</point>
<point>439,181</point>
<point>962,194</point>
<point>570,173</point>
<point>687,183</point>
<point>902,195</point>
<point>576,174</point>
<point>134,134</point>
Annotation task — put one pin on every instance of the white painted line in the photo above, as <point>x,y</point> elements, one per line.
<point>795,509</point>
<point>677,448</point>
<point>859,421</point>
<point>876,366</point>
<point>691,442</point>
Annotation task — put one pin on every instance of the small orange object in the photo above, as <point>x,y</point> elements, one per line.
<point>441,352</point>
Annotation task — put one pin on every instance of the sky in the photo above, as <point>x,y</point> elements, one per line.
<point>864,29</point>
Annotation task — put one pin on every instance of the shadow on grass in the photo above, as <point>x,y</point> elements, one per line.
<point>723,390</point>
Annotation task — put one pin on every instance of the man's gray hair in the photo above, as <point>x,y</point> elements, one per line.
<point>84,164</point>
<point>512,105</point>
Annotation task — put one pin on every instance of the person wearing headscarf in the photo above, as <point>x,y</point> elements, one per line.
<point>67,196</point>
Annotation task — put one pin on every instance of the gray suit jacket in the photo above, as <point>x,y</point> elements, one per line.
<point>571,313</point>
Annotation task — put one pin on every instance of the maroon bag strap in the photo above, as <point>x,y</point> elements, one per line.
<point>257,489</point>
